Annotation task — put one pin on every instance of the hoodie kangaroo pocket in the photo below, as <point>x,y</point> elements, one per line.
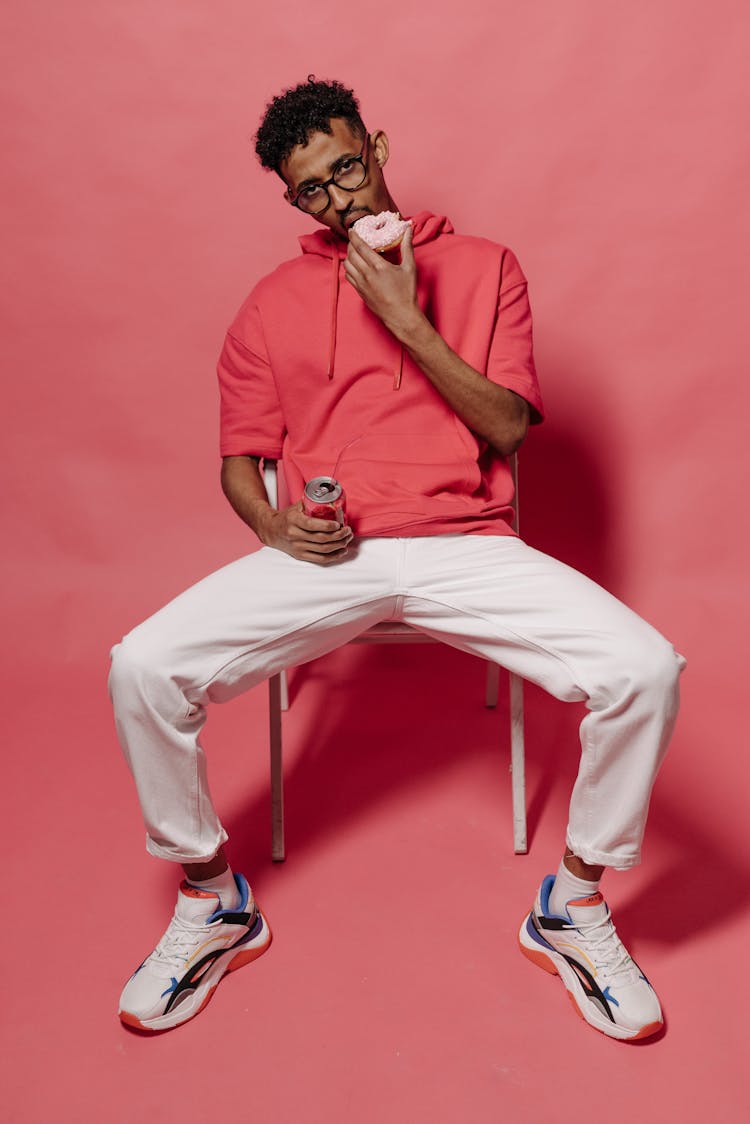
<point>411,474</point>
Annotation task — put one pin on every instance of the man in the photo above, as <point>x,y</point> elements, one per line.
<point>411,382</point>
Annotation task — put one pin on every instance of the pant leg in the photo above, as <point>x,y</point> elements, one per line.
<point>232,630</point>
<point>499,598</point>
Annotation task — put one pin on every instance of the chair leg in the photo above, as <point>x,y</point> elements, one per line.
<point>284,684</point>
<point>493,684</point>
<point>278,852</point>
<point>517,765</point>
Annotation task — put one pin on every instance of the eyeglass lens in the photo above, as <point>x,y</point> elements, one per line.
<point>350,175</point>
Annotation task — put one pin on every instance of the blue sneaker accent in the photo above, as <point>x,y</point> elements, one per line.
<point>244,890</point>
<point>544,896</point>
<point>609,997</point>
<point>544,893</point>
<point>172,986</point>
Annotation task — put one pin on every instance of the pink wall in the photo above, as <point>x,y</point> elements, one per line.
<point>604,143</point>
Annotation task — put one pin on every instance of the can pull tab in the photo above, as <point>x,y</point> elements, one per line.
<point>324,499</point>
<point>325,490</point>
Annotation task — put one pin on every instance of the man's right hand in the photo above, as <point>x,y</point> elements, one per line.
<point>322,541</point>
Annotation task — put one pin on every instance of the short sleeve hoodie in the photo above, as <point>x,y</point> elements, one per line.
<point>310,374</point>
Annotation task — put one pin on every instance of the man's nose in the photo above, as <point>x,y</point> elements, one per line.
<point>341,199</point>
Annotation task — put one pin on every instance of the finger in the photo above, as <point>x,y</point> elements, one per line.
<point>356,281</point>
<point>352,273</point>
<point>331,559</point>
<point>325,547</point>
<point>360,251</point>
<point>355,261</point>
<point>358,245</point>
<point>326,530</point>
<point>407,248</point>
<point>323,541</point>
<point>323,558</point>
<point>312,523</point>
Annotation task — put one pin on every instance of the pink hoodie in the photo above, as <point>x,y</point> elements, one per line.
<point>308,372</point>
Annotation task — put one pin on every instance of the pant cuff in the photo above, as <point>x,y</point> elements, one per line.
<point>603,858</point>
<point>175,855</point>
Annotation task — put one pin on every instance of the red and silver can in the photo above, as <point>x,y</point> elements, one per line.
<point>324,498</point>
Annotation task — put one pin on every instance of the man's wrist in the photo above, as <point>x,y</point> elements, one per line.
<point>258,517</point>
<point>412,330</point>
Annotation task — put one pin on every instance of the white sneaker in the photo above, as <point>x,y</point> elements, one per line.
<point>202,942</point>
<point>604,983</point>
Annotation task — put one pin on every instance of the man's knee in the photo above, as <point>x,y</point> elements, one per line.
<point>134,664</point>
<point>654,670</point>
<point>663,667</point>
<point>644,667</point>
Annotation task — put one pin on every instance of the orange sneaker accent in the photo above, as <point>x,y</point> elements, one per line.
<point>193,891</point>
<point>575,1006</point>
<point>243,958</point>
<point>131,1020</point>
<point>205,1001</point>
<point>594,899</point>
<point>539,958</point>
<point>647,1031</point>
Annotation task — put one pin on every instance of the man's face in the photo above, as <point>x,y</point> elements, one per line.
<point>316,162</point>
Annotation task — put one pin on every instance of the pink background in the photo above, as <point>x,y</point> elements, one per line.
<point>607,146</point>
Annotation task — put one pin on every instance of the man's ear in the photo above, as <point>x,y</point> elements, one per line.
<point>380,147</point>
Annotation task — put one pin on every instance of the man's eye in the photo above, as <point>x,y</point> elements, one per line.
<point>310,192</point>
<point>345,166</point>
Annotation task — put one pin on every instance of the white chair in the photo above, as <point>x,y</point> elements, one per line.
<point>389,632</point>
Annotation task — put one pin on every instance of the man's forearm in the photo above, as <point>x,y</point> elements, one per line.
<point>390,291</point>
<point>491,411</point>
<point>242,484</point>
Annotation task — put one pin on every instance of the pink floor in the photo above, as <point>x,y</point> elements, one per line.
<point>394,989</point>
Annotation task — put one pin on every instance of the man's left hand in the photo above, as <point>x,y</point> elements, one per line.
<point>388,290</point>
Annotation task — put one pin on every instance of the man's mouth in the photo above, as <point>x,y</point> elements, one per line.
<point>354,216</point>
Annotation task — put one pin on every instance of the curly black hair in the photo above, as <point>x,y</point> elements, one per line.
<point>292,116</point>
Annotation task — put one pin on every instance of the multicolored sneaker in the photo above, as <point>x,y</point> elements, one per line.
<point>605,985</point>
<point>202,942</point>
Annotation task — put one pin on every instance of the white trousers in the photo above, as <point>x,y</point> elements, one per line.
<point>490,595</point>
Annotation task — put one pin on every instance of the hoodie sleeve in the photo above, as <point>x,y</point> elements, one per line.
<point>251,419</point>
<point>511,357</point>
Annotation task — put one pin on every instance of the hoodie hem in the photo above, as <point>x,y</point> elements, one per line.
<point>429,529</point>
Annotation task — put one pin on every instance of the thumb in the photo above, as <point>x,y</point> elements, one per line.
<point>407,250</point>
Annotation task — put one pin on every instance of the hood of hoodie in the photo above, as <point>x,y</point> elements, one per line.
<point>324,243</point>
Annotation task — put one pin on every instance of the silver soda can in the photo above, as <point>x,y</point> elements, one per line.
<point>324,498</point>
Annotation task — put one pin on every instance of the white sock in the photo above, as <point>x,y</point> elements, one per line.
<point>224,885</point>
<point>567,887</point>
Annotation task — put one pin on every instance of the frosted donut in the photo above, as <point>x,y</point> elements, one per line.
<point>382,232</point>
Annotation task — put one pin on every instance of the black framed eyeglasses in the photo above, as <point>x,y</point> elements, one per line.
<point>349,174</point>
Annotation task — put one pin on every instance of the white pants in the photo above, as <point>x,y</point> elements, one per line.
<point>492,596</point>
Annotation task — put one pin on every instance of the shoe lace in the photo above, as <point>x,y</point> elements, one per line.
<point>175,947</point>
<point>601,941</point>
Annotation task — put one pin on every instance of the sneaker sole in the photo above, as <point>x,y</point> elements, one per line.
<point>557,965</point>
<point>229,961</point>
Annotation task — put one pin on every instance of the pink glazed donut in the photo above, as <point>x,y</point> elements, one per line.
<point>382,232</point>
